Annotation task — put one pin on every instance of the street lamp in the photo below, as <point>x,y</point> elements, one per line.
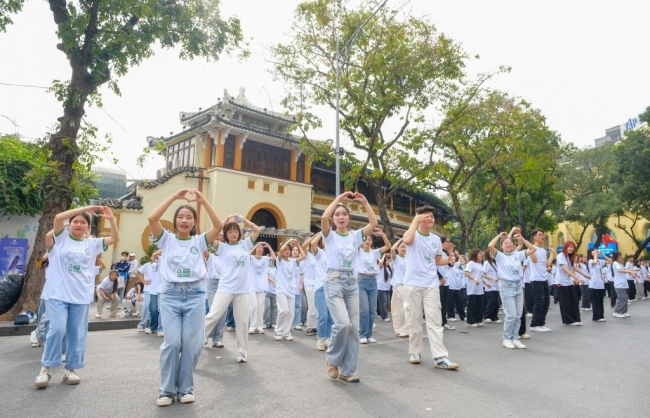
<point>344,55</point>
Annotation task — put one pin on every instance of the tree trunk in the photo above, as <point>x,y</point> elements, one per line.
<point>641,247</point>
<point>523,224</point>
<point>383,213</point>
<point>502,206</point>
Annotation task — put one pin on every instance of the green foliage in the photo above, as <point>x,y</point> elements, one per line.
<point>632,174</point>
<point>8,7</point>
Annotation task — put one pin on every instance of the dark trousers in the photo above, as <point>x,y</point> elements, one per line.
<point>456,301</point>
<point>631,293</point>
<point>586,300</point>
<point>528,297</point>
<point>597,298</point>
<point>492,305</point>
<point>541,302</point>
<point>522,327</point>
<point>463,293</point>
<point>569,306</point>
<point>444,302</point>
<point>475,308</point>
<point>614,295</point>
<point>646,288</point>
<point>556,294</point>
<point>609,288</point>
<point>382,303</point>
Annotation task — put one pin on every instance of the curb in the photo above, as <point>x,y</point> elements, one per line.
<point>8,329</point>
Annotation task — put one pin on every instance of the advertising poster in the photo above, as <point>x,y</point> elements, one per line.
<point>13,255</point>
<point>20,227</point>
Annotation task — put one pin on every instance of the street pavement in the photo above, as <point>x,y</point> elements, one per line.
<point>597,370</point>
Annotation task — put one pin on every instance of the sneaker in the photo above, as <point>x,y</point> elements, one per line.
<point>351,379</point>
<point>449,327</point>
<point>297,328</point>
<point>363,341</point>
<point>320,345</point>
<point>524,336</point>
<point>575,324</point>
<point>277,337</point>
<point>34,340</point>
<point>147,331</point>
<point>241,359</point>
<point>518,344</point>
<point>327,342</point>
<point>71,378</point>
<point>188,398</point>
<point>311,332</point>
<point>251,330</point>
<point>538,329</point>
<point>480,324</point>
<point>618,315</point>
<point>230,328</point>
<point>627,315</point>
<point>332,370</point>
<point>547,329</point>
<point>139,328</point>
<point>98,315</point>
<point>452,319</point>
<point>471,325</point>
<point>160,334</point>
<point>63,358</point>
<point>498,321</point>
<point>601,320</point>
<point>218,344</point>
<point>583,309</point>
<point>43,378</point>
<point>414,359</point>
<point>508,344</point>
<point>287,337</point>
<point>402,335</point>
<point>487,321</point>
<point>164,400</point>
<point>387,320</point>
<point>260,330</point>
<point>371,340</point>
<point>529,315</point>
<point>588,309</point>
<point>375,325</point>
<point>445,363</point>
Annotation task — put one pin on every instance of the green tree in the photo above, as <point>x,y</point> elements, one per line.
<point>399,68</point>
<point>102,40</point>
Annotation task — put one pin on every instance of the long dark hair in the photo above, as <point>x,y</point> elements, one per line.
<point>490,259</point>
<point>473,255</point>
<point>84,215</point>
<point>191,209</point>
<point>117,273</point>
<point>141,286</point>
<point>615,256</point>
<point>388,269</point>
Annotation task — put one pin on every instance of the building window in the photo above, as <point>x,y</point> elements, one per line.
<point>300,169</point>
<point>181,154</point>
<point>251,184</point>
<point>560,240</point>
<point>229,152</point>
<point>213,151</point>
<point>280,189</point>
<point>266,160</point>
<point>266,187</point>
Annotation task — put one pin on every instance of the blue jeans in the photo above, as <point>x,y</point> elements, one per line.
<point>512,298</point>
<point>342,298</point>
<point>367,304</point>
<point>68,320</point>
<point>44,324</point>
<point>324,328</point>
<point>145,310</point>
<point>270,310</point>
<point>182,309</point>
<point>155,323</point>
<point>230,317</point>
<point>217,332</point>
<point>297,313</point>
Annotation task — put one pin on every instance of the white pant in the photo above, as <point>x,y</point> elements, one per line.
<point>427,299</point>
<point>130,306</point>
<point>286,306</point>
<point>400,325</point>
<point>312,321</point>
<point>240,311</point>
<point>256,302</point>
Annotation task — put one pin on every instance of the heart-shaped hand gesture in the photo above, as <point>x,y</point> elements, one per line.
<point>361,198</point>
<point>198,197</point>
<point>186,194</point>
<point>346,196</point>
<point>106,212</point>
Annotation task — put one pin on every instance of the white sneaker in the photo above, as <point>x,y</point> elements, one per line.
<point>363,341</point>
<point>164,400</point>
<point>371,340</point>
<point>140,329</point>
<point>147,331</point>
<point>277,337</point>
<point>327,342</point>
<point>230,329</point>
<point>471,325</point>
<point>524,336</point>
<point>71,378</point>
<point>575,324</point>
<point>480,324</point>
<point>33,339</point>
<point>414,359</point>
<point>188,398</point>
<point>452,319</point>
<point>260,330</point>
<point>449,327</point>
<point>63,358</point>
<point>601,320</point>
<point>98,315</point>
<point>241,359</point>
<point>287,337</point>
<point>320,345</point>
<point>508,344</point>
<point>217,344</point>
<point>251,330</point>
<point>538,329</point>
<point>547,329</point>
<point>518,344</point>
<point>43,378</point>
<point>487,321</point>
<point>297,328</point>
<point>387,320</point>
<point>160,334</point>
<point>375,325</point>
<point>627,315</point>
<point>529,315</point>
<point>618,315</point>
<point>498,321</point>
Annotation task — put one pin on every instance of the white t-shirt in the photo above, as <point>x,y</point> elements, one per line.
<point>214,267</point>
<point>133,266</point>
<point>399,270</point>
<point>147,272</point>
<point>526,264</point>
<point>383,284</point>
<point>310,269</point>
<point>106,285</point>
<point>476,270</point>
<point>270,289</point>
<point>561,277</point>
<point>537,270</point>
<point>235,261</point>
<point>71,273</point>
<point>596,273</point>
<point>366,262</point>
<point>342,249</point>
<point>259,272</point>
<point>447,272</point>
<point>134,296</point>
<point>320,263</point>
<point>643,274</point>
<point>509,265</point>
<point>554,274</point>
<point>583,268</point>
<point>182,259</point>
<point>620,279</point>
<point>299,272</point>
<point>421,268</point>
<point>491,271</point>
<point>285,276</point>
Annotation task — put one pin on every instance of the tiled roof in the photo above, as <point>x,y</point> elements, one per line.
<point>150,184</point>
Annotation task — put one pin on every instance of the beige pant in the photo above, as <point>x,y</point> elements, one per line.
<point>312,319</point>
<point>639,290</point>
<point>427,300</point>
<point>114,303</point>
<point>397,311</point>
<point>256,303</point>
<point>286,307</point>
<point>131,306</point>
<point>240,311</point>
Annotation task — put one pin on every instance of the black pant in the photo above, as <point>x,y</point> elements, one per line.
<point>522,327</point>
<point>475,308</point>
<point>614,295</point>
<point>597,297</point>
<point>444,302</point>
<point>585,299</point>
<point>569,306</point>
<point>646,288</point>
<point>492,305</point>
<point>631,293</point>
<point>382,303</point>
<point>541,302</point>
<point>609,288</point>
<point>556,294</point>
<point>528,297</point>
<point>455,301</point>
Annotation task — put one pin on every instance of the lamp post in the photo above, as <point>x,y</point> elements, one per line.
<point>341,55</point>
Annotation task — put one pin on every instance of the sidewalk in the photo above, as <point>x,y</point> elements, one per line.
<point>8,329</point>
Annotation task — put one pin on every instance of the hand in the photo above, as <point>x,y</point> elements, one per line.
<point>551,250</point>
<point>487,285</point>
<point>147,282</point>
<point>199,197</point>
<point>421,217</point>
<point>378,231</point>
<point>476,282</point>
<point>516,236</point>
<point>516,230</point>
<point>361,198</point>
<point>106,213</point>
<point>181,194</point>
<point>345,196</point>
<point>502,235</point>
<point>442,281</point>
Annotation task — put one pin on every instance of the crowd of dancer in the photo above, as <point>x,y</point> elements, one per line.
<point>194,280</point>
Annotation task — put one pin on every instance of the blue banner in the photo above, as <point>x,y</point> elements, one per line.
<point>13,255</point>
<point>611,247</point>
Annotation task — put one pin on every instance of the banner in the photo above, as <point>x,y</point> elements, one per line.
<point>13,255</point>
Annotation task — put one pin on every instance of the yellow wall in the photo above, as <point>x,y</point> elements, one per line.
<point>572,230</point>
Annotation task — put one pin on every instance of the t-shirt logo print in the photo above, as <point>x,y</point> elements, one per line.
<point>183,265</point>
<point>427,255</point>
<point>345,257</point>
<point>194,250</point>
<point>239,259</point>
<point>74,261</point>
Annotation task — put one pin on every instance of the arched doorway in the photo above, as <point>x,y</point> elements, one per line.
<point>263,217</point>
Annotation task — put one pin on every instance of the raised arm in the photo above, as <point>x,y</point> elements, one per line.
<point>49,240</point>
<point>273,256</point>
<point>159,211</point>
<point>393,249</point>
<point>531,249</point>
<point>551,256</point>
<point>372,218</point>
<point>492,246</point>
<point>106,213</point>
<point>409,235</point>
<point>386,246</point>
<point>302,252</point>
<point>314,242</point>
<point>329,212</point>
<point>217,224</point>
<point>61,218</point>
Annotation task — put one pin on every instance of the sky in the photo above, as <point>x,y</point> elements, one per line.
<point>583,63</point>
